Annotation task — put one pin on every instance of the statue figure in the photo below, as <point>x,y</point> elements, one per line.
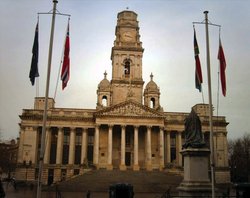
<point>193,133</point>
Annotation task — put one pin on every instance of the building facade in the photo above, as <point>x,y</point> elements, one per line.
<point>127,130</point>
<point>8,159</point>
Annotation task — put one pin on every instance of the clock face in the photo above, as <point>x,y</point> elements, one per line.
<point>127,36</point>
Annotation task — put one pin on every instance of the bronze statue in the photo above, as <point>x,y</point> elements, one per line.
<point>193,133</point>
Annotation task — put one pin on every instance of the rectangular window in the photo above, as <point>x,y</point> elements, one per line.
<point>78,137</point>
<point>39,139</point>
<point>173,139</point>
<point>90,140</point>
<point>128,138</point>
<point>65,156</point>
<point>173,145</point>
<point>53,145</point>
<point>78,149</point>
<point>173,154</point>
<point>78,146</point>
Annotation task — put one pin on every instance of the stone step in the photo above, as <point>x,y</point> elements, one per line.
<point>100,181</point>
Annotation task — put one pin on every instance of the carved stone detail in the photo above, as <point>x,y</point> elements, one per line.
<point>129,109</point>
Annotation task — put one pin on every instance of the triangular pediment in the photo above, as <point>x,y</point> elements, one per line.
<point>129,108</point>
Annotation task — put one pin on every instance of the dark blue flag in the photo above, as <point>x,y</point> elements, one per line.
<point>34,62</point>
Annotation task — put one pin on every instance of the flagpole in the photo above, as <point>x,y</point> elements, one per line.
<point>39,183</point>
<point>210,107</point>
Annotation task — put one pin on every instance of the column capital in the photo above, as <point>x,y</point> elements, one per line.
<point>35,128</point>
<point>110,125</point>
<point>84,129</point>
<point>179,132</point>
<point>136,126</point>
<point>123,126</point>
<point>97,125</point>
<point>22,128</point>
<point>162,128</point>
<point>149,126</point>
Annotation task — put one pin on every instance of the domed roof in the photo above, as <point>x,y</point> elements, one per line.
<point>104,84</point>
<point>151,84</point>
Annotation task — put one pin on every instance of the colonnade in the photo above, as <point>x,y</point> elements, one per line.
<point>164,146</point>
<point>148,148</point>
<point>72,144</point>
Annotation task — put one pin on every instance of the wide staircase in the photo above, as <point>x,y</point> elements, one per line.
<point>145,183</point>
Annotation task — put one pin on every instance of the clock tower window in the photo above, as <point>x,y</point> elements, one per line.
<point>152,103</point>
<point>105,101</point>
<point>127,68</point>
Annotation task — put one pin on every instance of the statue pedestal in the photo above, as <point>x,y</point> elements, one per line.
<point>196,180</point>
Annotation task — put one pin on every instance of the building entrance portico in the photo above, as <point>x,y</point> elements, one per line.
<point>126,139</point>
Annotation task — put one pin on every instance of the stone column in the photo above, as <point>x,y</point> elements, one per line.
<point>122,165</point>
<point>136,165</point>
<point>168,146</point>
<point>59,150</point>
<point>20,149</point>
<point>110,147</point>
<point>161,147</point>
<point>59,147</point>
<point>72,138</point>
<point>179,148</point>
<point>96,146</point>
<point>149,149</point>
<point>47,146</point>
<point>84,146</point>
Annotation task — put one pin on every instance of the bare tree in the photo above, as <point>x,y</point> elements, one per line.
<point>239,159</point>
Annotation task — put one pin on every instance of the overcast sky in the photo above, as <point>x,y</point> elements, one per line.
<point>166,33</point>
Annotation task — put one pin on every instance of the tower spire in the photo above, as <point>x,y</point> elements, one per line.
<point>105,75</point>
<point>151,76</point>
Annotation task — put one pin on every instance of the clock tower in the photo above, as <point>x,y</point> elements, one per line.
<point>126,56</point>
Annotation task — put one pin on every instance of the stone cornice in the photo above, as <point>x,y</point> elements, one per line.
<point>122,81</point>
<point>128,48</point>
<point>55,118</point>
<point>129,109</point>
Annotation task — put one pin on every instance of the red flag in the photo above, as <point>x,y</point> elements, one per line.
<point>66,61</point>
<point>222,60</point>
<point>198,73</point>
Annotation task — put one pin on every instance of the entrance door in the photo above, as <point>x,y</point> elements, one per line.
<point>128,158</point>
<point>90,154</point>
<point>90,148</point>
<point>50,176</point>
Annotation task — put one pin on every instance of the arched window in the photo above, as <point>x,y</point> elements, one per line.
<point>104,101</point>
<point>152,103</point>
<point>127,67</point>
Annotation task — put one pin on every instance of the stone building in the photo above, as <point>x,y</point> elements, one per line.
<point>8,157</point>
<point>127,130</point>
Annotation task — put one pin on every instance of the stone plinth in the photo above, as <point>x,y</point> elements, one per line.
<point>109,167</point>
<point>196,180</point>
<point>123,167</point>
